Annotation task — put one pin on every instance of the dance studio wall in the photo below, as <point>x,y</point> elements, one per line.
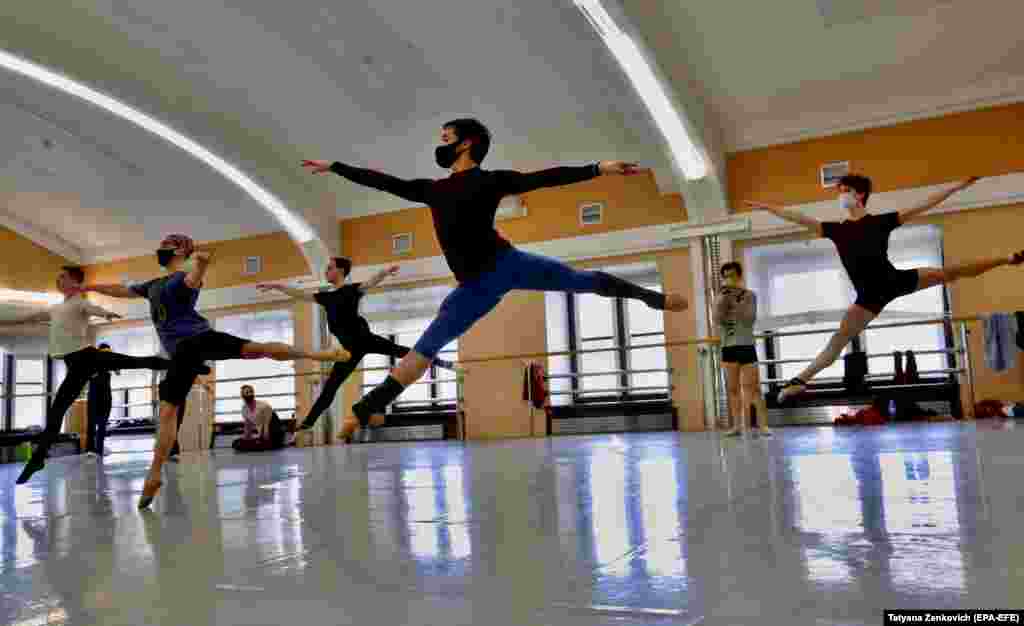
<point>976,234</point>
<point>25,265</point>
<point>630,202</point>
<point>282,259</point>
<point>915,154</point>
<point>925,152</point>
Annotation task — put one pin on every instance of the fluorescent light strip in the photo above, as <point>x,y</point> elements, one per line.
<point>295,225</point>
<point>30,297</point>
<point>627,53</point>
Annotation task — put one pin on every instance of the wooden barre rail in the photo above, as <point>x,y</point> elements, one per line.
<point>535,355</point>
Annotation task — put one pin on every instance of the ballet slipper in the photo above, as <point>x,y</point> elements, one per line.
<point>793,388</point>
<point>149,490</point>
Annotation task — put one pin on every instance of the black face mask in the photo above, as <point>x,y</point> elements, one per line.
<point>445,155</point>
<point>164,256</point>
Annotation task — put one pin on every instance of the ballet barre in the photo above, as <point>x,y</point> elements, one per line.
<point>536,355</point>
<point>824,331</point>
<point>879,355</point>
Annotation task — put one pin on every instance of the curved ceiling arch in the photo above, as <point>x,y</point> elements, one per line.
<point>291,221</point>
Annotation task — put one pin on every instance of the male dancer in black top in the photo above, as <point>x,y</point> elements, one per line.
<point>863,246</point>
<point>345,323</point>
<point>485,264</point>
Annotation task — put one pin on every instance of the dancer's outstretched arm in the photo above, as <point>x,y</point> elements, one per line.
<point>936,199</point>
<point>789,216</point>
<point>512,182</point>
<point>35,318</point>
<point>97,311</point>
<point>291,292</point>
<point>114,291</point>
<point>411,190</point>
<point>378,278</point>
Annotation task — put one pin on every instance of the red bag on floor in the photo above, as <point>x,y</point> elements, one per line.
<point>988,409</point>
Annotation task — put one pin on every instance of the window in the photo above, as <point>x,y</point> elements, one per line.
<point>29,392</point>
<point>278,392</point>
<point>559,367</point>
<point>596,330</point>
<point>132,389</point>
<point>594,322</point>
<point>437,386</point>
<point>646,326</point>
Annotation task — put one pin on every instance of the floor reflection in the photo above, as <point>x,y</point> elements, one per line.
<point>803,528</point>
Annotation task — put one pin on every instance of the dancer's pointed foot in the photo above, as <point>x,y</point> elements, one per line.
<point>149,490</point>
<point>793,388</point>
<point>35,463</point>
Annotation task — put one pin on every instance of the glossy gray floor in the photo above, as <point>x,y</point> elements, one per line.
<point>815,526</point>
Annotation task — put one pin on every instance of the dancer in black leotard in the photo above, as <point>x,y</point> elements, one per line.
<point>351,329</point>
<point>863,246</point>
<point>485,264</point>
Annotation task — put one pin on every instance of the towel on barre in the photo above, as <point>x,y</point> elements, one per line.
<point>1019,315</point>
<point>1000,332</point>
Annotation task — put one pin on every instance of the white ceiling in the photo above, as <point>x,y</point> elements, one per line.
<point>773,72</point>
<point>266,84</point>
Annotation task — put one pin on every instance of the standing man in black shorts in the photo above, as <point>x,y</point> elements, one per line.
<point>736,311</point>
<point>863,245</point>
<point>351,329</point>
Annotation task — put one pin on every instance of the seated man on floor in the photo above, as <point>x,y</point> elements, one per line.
<point>262,429</point>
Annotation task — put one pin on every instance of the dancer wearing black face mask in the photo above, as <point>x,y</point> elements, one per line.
<point>863,246</point>
<point>485,264</point>
<point>351,329</point>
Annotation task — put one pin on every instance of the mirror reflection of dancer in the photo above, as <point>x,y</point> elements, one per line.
<point>69,341</point>
<point>351,329</point>
<point>863,246</point>
<point>736,311</point>
<point>484,263</point>
<point>190,339</point>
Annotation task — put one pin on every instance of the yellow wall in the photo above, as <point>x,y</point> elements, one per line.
<point>281,259</point>
<point>26,266</point>
<point>631,202</point>
<point>494,402</point>
<point>977,234</point>
<point>915,154</point>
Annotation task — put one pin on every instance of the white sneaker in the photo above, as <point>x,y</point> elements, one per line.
<point>91,455</point>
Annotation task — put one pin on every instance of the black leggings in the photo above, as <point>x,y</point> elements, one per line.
<point>100,402</point>
<point>370,344</point>
<point>82,366</point>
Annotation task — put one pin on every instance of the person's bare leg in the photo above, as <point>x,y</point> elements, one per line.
<point>410,369</point>
<point>732,390</point>
<point>167,435</point>
<point>750,389</point>
<point>932,276</point>
<point>854,322</point>
<point>285,352</point>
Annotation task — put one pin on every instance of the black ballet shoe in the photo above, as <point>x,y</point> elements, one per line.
<point>35,463</point>
<point>149,490</point>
